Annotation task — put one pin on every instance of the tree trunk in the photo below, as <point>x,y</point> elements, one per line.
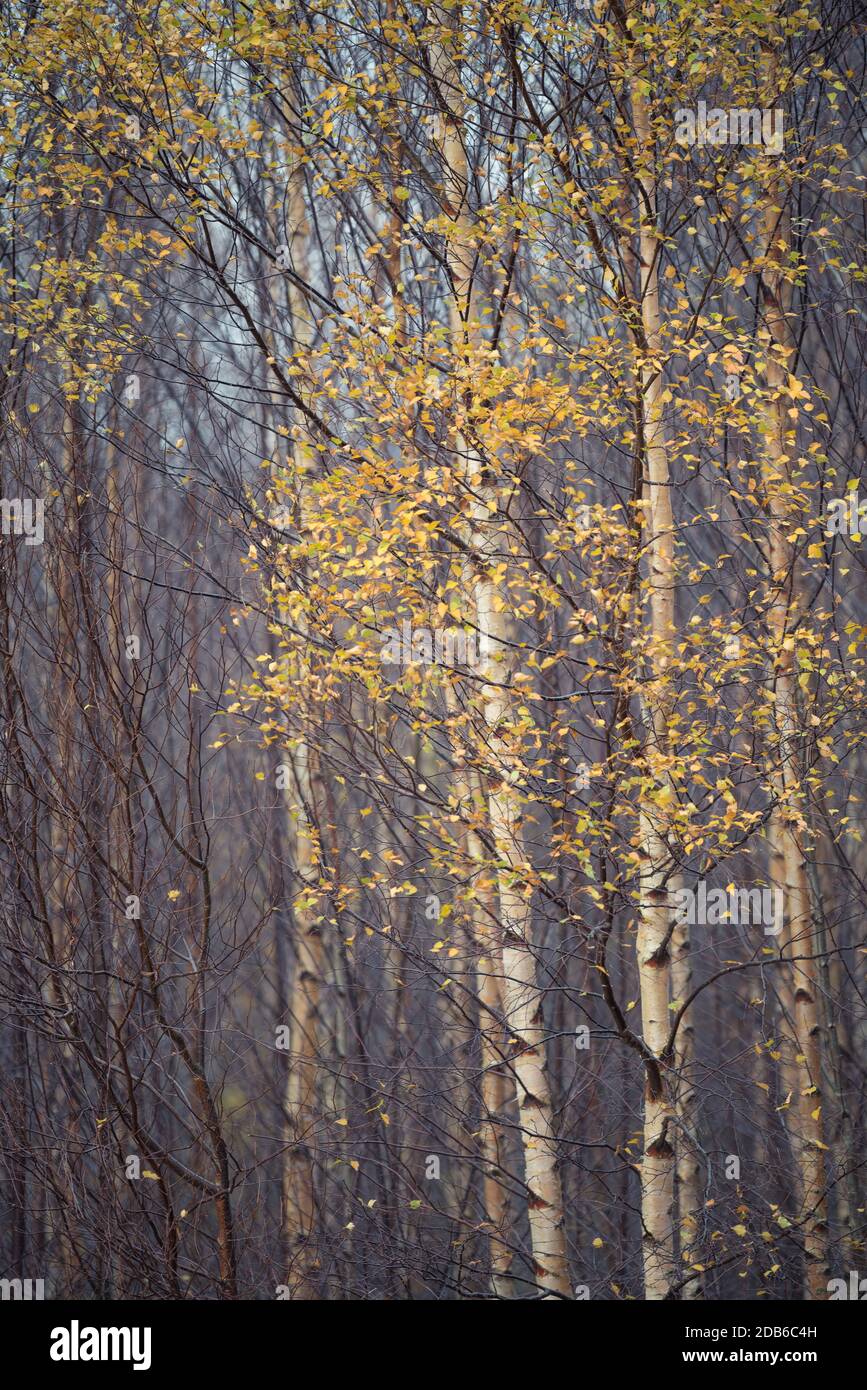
<point>796,941</point>
<point>300,1097</point>
<point>522,997</point>
<point>654,962</point>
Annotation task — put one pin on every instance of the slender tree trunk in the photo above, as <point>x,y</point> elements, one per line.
<point>797,939</point>
<point>300,1098</point>
<point>496,1088</point>
<point>522,997</point>
<point>689,1193</point>
<point>654,962</point>
<point>299,1206</point>
<point>845,1187</point>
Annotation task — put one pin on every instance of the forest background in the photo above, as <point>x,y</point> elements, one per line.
<point>432,634</point>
